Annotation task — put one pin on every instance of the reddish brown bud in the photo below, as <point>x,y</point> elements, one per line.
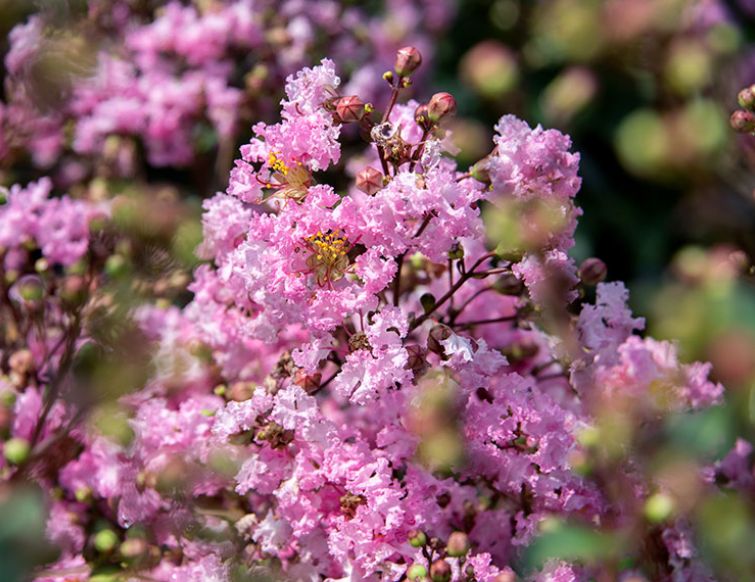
<point>408,60</point>
<point>441,105</point>
<point>307,381</point>
<point>349,109</point>
<point>458,544</point>
<point>440,571</point>
<point>592,271</point>
<point>370,180</point>
<point>241,391</point>
<point>743,121</point>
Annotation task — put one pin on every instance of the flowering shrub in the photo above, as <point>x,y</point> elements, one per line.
<point>390,369</point>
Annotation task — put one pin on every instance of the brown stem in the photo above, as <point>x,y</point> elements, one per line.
<point>484,321</point>
<point>420,148</point>
<point>464,305</point>
<point>397,280</point>
<point>394,96</point>
<point>463,279</point>
<point>54,388</point>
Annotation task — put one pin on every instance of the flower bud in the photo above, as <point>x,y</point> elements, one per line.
<point>408,60</point>
<point>16,450</point>
<point>659,507</point>
<point>370,181</point>
<point>480,171</point>
<point>743,121</point>
<point>349,109</point>
<point>105,541</point>
<point>441,105</point>
<point>307,381</point>
<point>41,265</point>
<point>416,572</point>
<point>116,266</point>
<point>456,252</point>
<point>438,333</point>
<point>417,538</point>
<point>746,98</point>
<point>509,284</point>
<point>458,544</point>
<point>133,548</point>
<point>21,362</point>
<point>29,289</point>
<point>73,291</point>
<point>592,271</point>
<point>506,575</point>
<point>241,391</point>
<point>440,571</point>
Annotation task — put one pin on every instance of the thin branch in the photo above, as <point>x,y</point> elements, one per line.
<point>463,279</point>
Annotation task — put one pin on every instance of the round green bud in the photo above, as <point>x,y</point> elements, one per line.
<point>105,541</point>
<point>659,507</point>
<point>417,538</point>
<point>416,572</point>
<point>16,450</point>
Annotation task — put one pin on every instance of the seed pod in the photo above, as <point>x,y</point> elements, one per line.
<point>370,181</point>
<point>349,109</point>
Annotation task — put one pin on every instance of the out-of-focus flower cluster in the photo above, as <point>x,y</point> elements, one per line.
<point>645,88</point>
<point>389,369</point>
<point>176,84</point>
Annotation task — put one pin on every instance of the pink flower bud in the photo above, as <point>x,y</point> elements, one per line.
<point>746,98</point>
<point>743,121</point>
<point>592,271</point>
<point>241,391</point>
<point>349,109</point>
<point>506,575</point>
<point>370,180</point>
<point>73,291</point>
<point>408,60</point>
<point>440,106</point>
<point>440,571</point>
<point>458,544</point>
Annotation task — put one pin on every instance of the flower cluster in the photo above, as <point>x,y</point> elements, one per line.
<point>175,79</point>
<point>359,388</point>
